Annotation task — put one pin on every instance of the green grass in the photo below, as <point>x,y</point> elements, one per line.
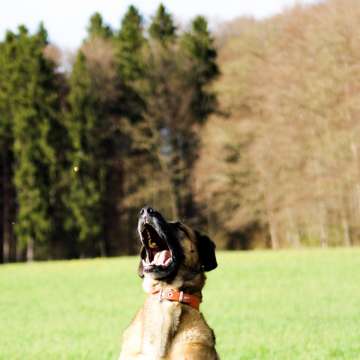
<point>262,305</point>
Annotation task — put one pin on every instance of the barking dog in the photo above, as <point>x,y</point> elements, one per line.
<point>169,325</point>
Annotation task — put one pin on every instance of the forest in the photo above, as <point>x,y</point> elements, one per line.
<point>248,132</point>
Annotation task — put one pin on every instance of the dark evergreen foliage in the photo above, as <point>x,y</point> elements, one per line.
<point>81,153</point>
<point>97,28</point>
<point>199,45</point>
<point>130,43</point>
<point>162,27</point>
<point>31,101</point>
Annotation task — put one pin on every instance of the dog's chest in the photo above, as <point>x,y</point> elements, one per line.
<point>160,323</point>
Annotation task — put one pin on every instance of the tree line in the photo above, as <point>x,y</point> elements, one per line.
<point>82,149</point>
<point>265,155</point>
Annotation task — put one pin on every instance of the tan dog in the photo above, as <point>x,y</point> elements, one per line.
<point>169,325</point>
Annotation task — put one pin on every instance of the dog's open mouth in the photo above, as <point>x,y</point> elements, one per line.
<point>158,254</point>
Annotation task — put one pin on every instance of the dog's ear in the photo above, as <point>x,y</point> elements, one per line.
<point>141,267</point>
<point>206,251</point>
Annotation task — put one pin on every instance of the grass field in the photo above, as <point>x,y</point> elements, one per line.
<point>262,305</point>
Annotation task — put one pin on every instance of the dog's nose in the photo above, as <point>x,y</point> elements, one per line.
<point>147,211</point>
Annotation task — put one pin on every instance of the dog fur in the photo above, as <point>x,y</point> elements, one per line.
<point>170,330</point>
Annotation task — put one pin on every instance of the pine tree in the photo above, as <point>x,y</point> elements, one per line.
<point>198,44</point>
<point>130,44</point>
<point>94,140</point>
<point>162,27</point>
<point>4,146</point>
<point>84,193</point>
<point>32,104</point>
<point>130,40</point>
<point>178,100</point>
<point>97,28</point>
<point>7,86</point>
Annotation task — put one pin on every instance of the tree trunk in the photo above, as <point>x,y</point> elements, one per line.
<point>1,217</point>
<point>293,234</point>
<point>323,235</point>
<point>9,241</point>
<point>30,250</point>
<point>355,153</point>
<point>115,223</point>
<point>346,228</point>
<point>274,242</point>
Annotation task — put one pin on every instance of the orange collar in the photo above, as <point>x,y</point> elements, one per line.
<point>179,296</point>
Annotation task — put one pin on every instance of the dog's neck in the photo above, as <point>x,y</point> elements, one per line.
<point>160,324</point>
<point>163,320</point>
<point>191,285</point>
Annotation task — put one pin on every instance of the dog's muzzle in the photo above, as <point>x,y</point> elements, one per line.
<point>158,255</point>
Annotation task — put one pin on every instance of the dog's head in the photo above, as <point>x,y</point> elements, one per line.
<point>168,247</point>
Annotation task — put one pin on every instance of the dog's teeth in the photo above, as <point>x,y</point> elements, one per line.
<point>152,244</point>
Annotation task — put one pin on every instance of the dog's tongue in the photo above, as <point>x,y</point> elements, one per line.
<point>162,258</point>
